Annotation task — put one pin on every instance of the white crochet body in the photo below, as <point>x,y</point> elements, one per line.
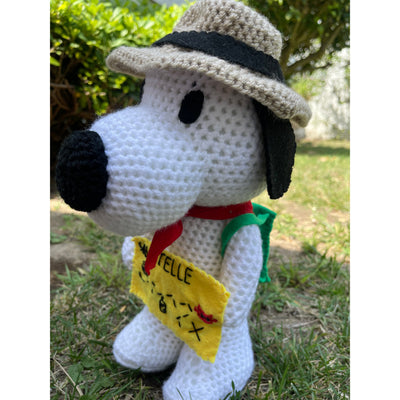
<point>149,345</point>
<point>158,169</point>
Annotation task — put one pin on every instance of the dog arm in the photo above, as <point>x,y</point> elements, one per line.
<point>241,268</point>
<point>127,252</point>
<point>128,248</point>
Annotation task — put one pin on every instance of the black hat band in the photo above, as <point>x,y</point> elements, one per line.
<point>226,48</point>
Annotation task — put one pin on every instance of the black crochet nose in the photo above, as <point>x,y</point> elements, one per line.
<point>81,173</point>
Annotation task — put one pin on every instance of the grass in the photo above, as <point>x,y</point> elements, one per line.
<point>319,193</point>
<point>321,175</point>
<point>299,322</point>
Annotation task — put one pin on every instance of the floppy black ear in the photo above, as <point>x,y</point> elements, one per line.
<point>280,149</point>
<point>141,90</point>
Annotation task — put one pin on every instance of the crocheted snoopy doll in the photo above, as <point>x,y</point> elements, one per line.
<point>212,131</point>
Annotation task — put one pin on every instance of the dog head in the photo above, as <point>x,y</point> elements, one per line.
<point>191,140</point>
<point>212,128</point>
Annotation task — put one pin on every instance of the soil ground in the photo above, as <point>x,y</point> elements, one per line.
<point>69,252</point>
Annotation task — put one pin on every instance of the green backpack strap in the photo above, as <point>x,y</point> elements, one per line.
<point>264,218</point>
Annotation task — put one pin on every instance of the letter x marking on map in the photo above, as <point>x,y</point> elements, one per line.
<point>195,330</point>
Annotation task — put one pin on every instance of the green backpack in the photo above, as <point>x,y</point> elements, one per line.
<point>264,218</point>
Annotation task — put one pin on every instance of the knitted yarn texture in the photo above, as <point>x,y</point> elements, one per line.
<point>158,168</point>
<point>137,346</point>
<point>166,166</point>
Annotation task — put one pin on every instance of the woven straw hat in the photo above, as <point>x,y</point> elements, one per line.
<point>229,42</point>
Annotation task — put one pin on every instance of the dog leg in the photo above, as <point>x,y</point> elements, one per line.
<point>197,379</point>
<point>147,344</point>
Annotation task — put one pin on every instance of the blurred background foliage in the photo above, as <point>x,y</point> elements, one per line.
<point>83,32</point>
<point>313,31</point>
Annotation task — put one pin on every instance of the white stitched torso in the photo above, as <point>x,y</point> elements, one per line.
<point>200,244</point>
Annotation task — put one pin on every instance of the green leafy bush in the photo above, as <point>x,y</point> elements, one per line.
<point>82,34</point>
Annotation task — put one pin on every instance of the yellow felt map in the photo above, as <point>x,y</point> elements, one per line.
<point>183,297</point>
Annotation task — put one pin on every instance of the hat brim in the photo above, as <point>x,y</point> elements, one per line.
<point>279,98</point>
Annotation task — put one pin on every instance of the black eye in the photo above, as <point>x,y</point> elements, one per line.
<point>191,107</point>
